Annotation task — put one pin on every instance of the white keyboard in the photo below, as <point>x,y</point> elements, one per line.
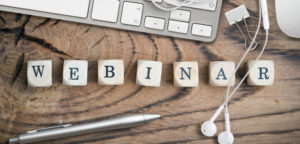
<point>196,21</point>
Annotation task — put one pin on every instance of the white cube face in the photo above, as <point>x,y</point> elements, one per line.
<point>220,73</point>
<point>186,74</point>
<point>149,73</point>
<point>75,72</point>
<point>262,73</point>
<point>110,72</point>
<point>39,73</point>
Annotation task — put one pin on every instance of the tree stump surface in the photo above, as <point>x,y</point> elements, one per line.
<point>258,114</point>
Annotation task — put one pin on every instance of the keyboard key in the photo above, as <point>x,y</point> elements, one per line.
<point>154,23</point>
<point>77,8</point>
<point>210,6</point>
<point>180,15</point>
<point>201,30</point>
<point>132,13</point>
<point>157,1</point>
<point>177,26</point>
<point>106,10</point>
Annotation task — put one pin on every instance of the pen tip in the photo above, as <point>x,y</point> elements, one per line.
<point>150,117</point>
<point>13,140</point>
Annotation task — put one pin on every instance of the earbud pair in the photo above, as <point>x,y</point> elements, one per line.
<point>209,128</point>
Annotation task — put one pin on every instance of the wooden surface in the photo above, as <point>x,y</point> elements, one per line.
<point>258,114</point>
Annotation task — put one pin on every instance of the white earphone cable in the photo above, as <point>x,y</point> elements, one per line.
<point>258,57</point>
<point>176,5</point>
<point>243,79</point>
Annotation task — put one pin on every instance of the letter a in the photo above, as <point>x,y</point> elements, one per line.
<point>221,73</point>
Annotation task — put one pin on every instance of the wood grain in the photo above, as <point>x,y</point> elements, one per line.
<point>259,114</point>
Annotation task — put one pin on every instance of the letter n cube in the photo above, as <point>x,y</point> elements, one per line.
<point>39,73</point>
<point>110,72</point>
<point>186,74</point>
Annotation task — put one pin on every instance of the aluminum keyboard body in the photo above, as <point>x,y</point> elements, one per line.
<point>197,22</point>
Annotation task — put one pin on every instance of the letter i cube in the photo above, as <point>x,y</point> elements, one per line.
<point>39,73</point>
<point>220,73</point>
<point>110,72</point>
<point>262,73</point>
<point>75,72</point>
<point>149,73</point>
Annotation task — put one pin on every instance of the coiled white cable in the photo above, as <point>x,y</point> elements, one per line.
<point>176,5</point>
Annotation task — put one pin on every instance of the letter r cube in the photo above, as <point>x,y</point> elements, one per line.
<point>262,73</point>
<point>39,73</point>
<point>110,72</point>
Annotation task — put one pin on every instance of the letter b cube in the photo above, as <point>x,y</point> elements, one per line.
<point>110,72</point>
<point>75,72</point>
<point>39,73</point>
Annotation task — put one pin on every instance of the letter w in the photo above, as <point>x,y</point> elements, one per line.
<point>37,70</point>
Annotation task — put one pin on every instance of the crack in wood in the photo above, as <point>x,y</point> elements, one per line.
<point>19,32</point>
<point>154,44</point>
<point>3,20</point>
<point>99,41</point>
<point>18,17</point>
<point>55,23</point>
<point>18,68</point>
<point>209,55</point>
<point>175,45</point>
<point>41,24</point>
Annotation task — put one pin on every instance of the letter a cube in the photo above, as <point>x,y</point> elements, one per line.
<point>262,73</point>
<point>39,73</point>
<point>149,73</point>
<point>186,74</point>
<point>110,72</point>
<point>75,72</point>
<point>220,73</point>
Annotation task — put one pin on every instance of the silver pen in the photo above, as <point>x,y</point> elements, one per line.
<point>70,130</point>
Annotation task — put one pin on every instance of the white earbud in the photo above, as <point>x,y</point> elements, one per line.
<point>226,137</point>
<point>209,128</point>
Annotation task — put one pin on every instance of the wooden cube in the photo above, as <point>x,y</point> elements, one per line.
<point>149,73</point>
<point>110,72</point>
<point>39,73</point>
<point>186,74</point>
<point>220,73</point>
<point>262,73</point>
<point>75,72</point>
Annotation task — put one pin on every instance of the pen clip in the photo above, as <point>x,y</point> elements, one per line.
<point>49,128</point>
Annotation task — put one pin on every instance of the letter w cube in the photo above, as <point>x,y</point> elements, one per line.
<point>39,73</point>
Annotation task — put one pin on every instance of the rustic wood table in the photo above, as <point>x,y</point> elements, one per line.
<point>258,114</point>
